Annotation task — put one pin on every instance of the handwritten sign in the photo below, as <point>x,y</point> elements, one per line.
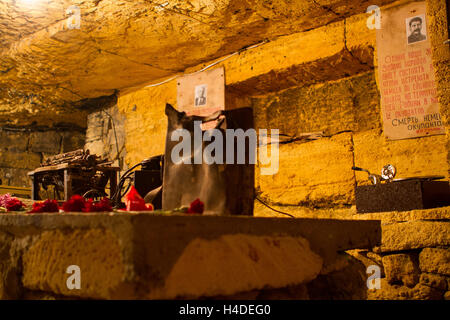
<point>406,77</point>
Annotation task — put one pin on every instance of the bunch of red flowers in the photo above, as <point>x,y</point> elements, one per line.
<point>10,203</point>
<point>45,206</point>
<point>75,204</point>
<point>101,206</point>
<point>78,204</point>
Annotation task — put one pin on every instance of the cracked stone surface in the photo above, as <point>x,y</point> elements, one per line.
<point>47,66</point>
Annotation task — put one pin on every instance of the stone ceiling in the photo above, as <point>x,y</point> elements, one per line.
<point>48,70</point>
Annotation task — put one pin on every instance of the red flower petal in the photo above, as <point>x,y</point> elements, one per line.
<point>45,206</point>
<point>75,204</point>
<point>196,207</point>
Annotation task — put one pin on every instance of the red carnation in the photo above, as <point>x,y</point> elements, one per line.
<point>75,204</point>
<point>101,206</point>
<point>45,206</point>
<point>10,204</point>
<point>14,205</point>
<point>196,207</point>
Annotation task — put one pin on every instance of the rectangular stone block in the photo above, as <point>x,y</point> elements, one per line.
<point>15,177</point>
<point>14,141</point>
<point>327,107</point>
<point>390,217</point>
<point>145,121</point>
<point>414,235</point>
<point>316,173</point>
<point>22,160</point>
<point>72,140</point>
<point>402,196</point>
<point>46,142</point>
<point>126,256</point>
<point>55,256</point>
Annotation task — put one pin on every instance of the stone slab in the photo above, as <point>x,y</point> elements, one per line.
<point>159,256</point>
<point>402,196</point>
<point>414,235</point>
<point>403,216</point>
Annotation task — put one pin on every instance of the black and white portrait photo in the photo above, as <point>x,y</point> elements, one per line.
<point>416,29</point>
<point>200,95</point>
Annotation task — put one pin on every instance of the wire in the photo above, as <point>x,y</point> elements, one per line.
<point>285,213</point>
<point>208,66</point>
<point>160,83</point>
<point>115,198</point>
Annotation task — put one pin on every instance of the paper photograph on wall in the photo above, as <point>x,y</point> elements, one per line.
<point>416,29</point>
<point>406,77</point>
<point>201,93</point>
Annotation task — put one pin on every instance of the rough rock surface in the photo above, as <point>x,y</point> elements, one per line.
<point>348,282</point>
<point>10,267</point>
<point>414,235</point>
<point>434,281</point>
<point>105,135</point>
<point>412,157</point>
<point>123,43</point>
<point>402,268</point>
<point>442,213</point>
<point>397,292</point>
<point>368,259</point>
<point>90,250</point>
<point>435,260</point>
<point>253,260</point>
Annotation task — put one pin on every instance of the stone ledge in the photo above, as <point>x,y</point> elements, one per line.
<point>150,256</point>
<point>414,235</point>
<point>442,213</point>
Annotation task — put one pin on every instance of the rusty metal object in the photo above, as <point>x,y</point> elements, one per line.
<point>387,174</point>
<point>77,157</point>
<point>75,172</point>
<point>374,178</point>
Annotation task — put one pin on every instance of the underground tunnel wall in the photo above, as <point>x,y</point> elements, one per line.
<point>324,79</point>
<point>23,149</point>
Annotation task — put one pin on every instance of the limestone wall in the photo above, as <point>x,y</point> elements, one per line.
<point>414,255</point>
<point>324,79</point>
<point>105,135</point>
<point>23,149</point>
